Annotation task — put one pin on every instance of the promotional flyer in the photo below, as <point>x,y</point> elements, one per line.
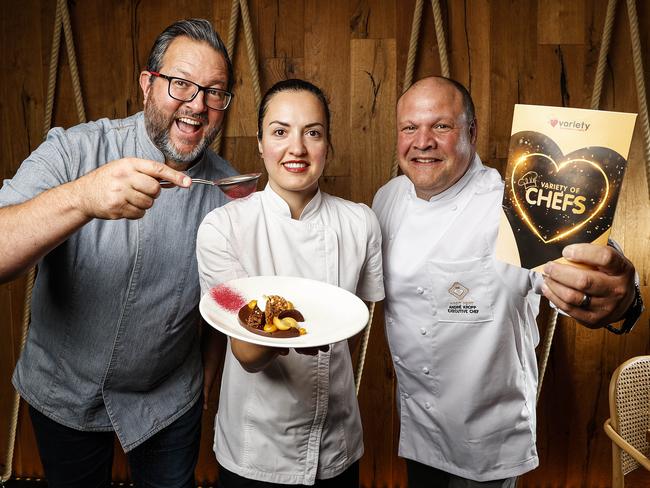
<point>564,174</point>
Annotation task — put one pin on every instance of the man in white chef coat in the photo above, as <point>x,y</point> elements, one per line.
<point>467,382</point>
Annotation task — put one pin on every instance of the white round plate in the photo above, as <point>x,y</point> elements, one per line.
<point>331,314</point>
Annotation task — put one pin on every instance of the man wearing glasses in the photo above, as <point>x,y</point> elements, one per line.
<point>113,347</point>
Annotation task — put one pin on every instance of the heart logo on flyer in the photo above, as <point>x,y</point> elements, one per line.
<point>556,199</point>
<point>553,199</point>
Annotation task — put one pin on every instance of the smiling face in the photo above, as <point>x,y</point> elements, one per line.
<point>183,130</point>
<point>435,142</point>
<point>294,144</point>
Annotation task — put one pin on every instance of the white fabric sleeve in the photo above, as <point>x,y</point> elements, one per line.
<point>215,251</point>
<point>371,280</point>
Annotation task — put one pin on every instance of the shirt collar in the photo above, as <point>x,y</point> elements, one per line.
<point>278,206</point>
<point>149,150</point>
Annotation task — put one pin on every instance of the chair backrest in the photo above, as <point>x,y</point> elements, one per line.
<point>629,406</point>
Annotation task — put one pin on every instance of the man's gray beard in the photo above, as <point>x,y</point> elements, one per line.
<point>158,129</point>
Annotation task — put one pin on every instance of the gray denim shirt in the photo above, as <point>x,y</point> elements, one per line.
<point>113,341</point>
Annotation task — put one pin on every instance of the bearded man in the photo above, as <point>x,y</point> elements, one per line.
<point>113,346</point>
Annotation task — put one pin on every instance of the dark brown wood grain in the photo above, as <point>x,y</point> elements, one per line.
<point>372,96</point>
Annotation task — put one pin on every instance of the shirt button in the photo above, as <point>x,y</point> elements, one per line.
<point>396,359</point>
<point>419,290</point>
<point>427,405</point>
<point>425,370</point>
<point>390,321</point>
<point>405,395</point>
<point>454,207</point>
<point>423,331</point>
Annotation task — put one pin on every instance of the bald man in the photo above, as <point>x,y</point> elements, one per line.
<point>462,326</point>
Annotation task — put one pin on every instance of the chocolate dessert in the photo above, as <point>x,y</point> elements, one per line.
<point>278,318</point>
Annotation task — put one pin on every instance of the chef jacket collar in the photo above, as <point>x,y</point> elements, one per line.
<point>280,207</point>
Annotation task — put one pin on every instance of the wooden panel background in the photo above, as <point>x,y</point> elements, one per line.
<point>505,51</point>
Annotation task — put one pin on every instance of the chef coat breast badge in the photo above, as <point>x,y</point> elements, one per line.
<point>458,291</point>
<point>460,308</point>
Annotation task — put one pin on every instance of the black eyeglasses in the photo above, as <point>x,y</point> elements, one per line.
<point>185,91</point>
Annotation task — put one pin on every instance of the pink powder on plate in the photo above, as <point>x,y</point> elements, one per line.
<point>227,298</point>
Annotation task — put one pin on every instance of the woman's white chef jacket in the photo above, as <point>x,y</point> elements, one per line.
<point>461,328</point>
<point>298,420</point>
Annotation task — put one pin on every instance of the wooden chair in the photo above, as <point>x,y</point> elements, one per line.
<point>627,427</point>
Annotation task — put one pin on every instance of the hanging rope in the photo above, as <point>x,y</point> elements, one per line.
<point>595,105</point>
<point>252,53</point>
<point>232,28</point>
<point>413,51</point>
<point>230,47</point>
<point>54,64</point>
<point>440,36</point>
<point>72,60</point>
<point>638,71</point>
<point>363,347</point>
<point>640,84</point>
<point>602,56</point>
<point>408,80</point>
<point>238,6</point>
<point>546,348</point>
<point>413,45</point>
<point>61,21</point>
<point>410,65</point>
<point>605,42</point>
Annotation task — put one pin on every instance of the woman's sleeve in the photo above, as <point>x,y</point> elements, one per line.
<point>371,280</point>
<point>216,250</point>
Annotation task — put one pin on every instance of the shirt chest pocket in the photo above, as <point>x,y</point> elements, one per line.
<point>462,291</point>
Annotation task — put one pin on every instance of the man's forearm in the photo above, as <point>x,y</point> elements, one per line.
<point>29,230</point>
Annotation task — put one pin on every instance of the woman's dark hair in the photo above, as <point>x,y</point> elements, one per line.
<point>293,84</point>
<point>195,29</point>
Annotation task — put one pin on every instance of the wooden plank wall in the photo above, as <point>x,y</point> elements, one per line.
<point>505,51</point>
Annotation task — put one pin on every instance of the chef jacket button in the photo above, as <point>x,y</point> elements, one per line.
<point>423,331</point>
<point>390,321</point>
<point>396,359</point>
<point>454,207</point>
<point>425,370</point>
<point>419,290</point>
<point>405,395</point>
<point>427,405</point>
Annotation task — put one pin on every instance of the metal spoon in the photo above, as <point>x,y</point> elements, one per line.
<point>234,186</point>
<point>231,180</point>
